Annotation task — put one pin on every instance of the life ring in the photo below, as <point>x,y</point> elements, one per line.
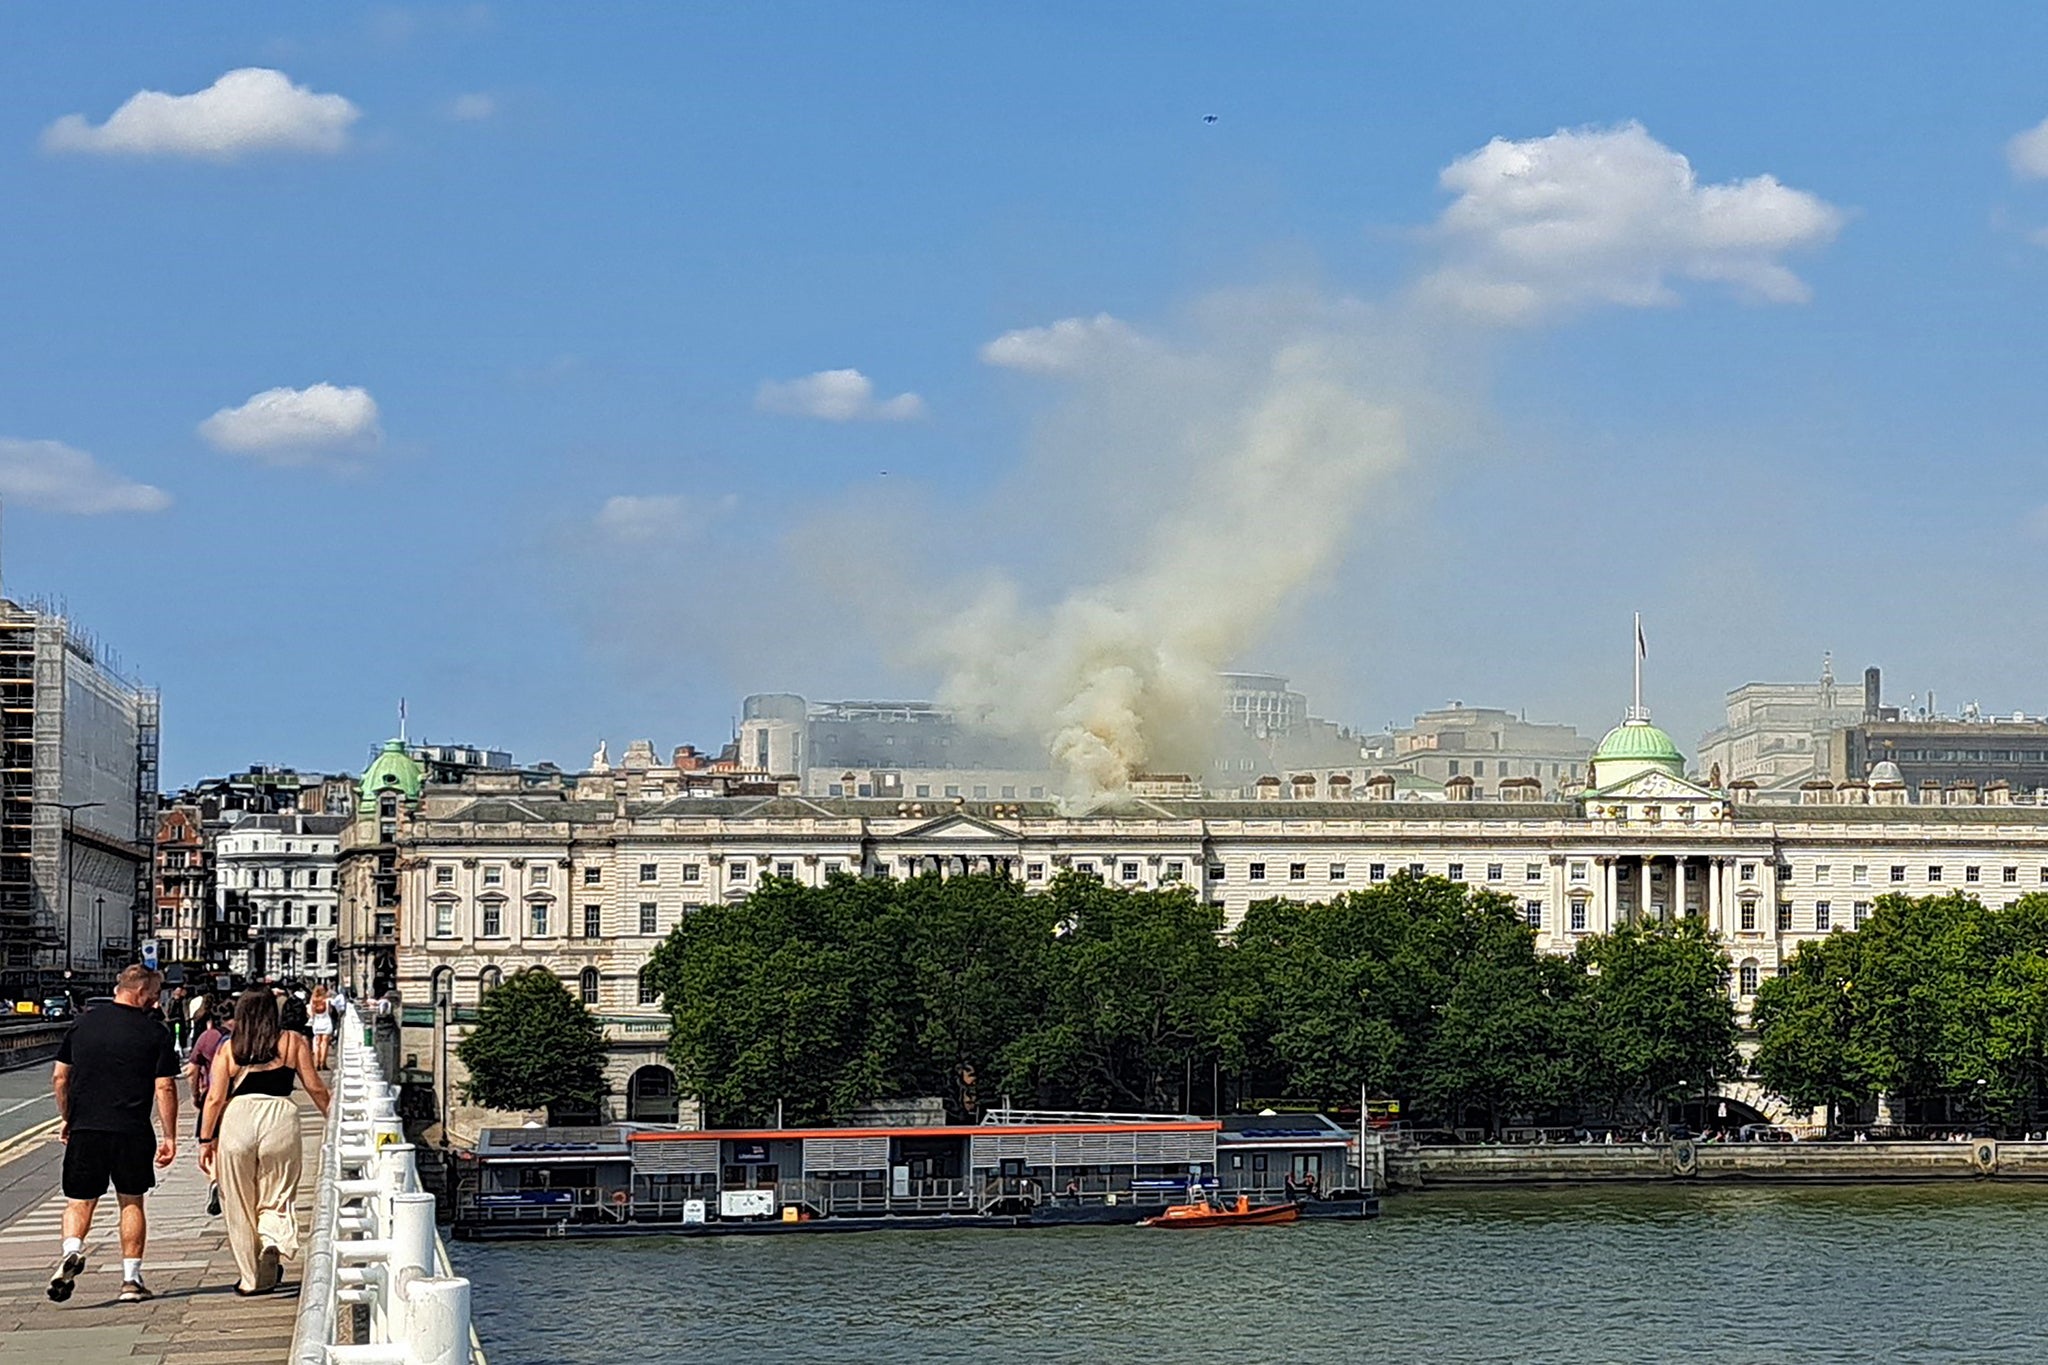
<point>1685,1157</point>
<point>1986,1155</point>
<point>621,1198</point>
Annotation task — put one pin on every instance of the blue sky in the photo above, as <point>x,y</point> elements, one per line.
<point>560,258</point>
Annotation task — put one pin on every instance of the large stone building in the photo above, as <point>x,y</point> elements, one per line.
<point>186,909</point>
<point>586,875</point>
<point>279,876</point>
<point>1776,734</point>
<point>1487,744</point>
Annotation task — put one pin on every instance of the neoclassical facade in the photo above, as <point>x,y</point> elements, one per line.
<point>588,875</point>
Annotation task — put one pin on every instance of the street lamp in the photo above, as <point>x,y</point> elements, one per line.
<point>70,809</point>
<point>99,909</point>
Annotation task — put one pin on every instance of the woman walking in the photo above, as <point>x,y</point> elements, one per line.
<point>249,1138</point>
<point>323,1026</point>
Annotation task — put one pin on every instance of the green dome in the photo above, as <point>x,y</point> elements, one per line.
<point>392,769</point>
<point>1633,748</point>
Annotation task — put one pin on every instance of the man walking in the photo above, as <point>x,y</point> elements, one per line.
<point>109,1067</point>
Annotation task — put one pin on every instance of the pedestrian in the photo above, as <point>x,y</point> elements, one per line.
<point>293,1017</point>
<point>323,1026</point>
<point>174,1014</point>
<point>250,1140</point>
<point>110,1067</point>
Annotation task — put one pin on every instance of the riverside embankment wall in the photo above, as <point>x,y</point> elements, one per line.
<point>1415,1168</point>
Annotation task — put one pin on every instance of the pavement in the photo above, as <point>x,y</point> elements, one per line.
<point>196,1315</point>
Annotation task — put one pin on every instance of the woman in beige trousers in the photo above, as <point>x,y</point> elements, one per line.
<point>249,1138</point>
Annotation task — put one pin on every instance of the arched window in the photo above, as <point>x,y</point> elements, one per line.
<point>488,980</point>
<point>1749,976</point>
<point>588,981</point>
<point>312,957</point>
<point>444,985</point>
<point>649,994</point>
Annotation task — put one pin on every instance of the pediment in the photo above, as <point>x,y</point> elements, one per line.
<point>1657,787</point>
<point>959,829</point>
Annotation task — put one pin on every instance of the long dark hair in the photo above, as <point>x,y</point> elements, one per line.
<point>256,1028</point>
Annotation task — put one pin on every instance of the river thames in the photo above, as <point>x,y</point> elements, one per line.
<point>1751,1273</point>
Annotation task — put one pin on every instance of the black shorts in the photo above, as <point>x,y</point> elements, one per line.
<point>92,1159</point>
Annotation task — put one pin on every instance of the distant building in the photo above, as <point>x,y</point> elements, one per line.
<point>78,790</point>
<point>281,871</point>
<point>1777,734</point>
<point>184,889</point>
<point>1489,746</point>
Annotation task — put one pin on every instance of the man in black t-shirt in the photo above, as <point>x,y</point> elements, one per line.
<point>112,1067</point>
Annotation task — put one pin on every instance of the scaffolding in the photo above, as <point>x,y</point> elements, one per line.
<point>148,726</point>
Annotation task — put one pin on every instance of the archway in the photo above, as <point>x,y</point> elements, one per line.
<point>651,1096</point>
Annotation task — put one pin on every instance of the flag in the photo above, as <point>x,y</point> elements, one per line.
<point>1642,649</point>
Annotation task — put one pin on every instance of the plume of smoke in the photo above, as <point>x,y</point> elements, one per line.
<point>1268,446</point>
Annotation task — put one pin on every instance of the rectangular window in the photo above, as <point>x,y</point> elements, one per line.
<point>593,876</point>
<point>1034,872</point>
<point>1862,909</point>
<point>1257,872</point>
<point>1533,912</point>
<point>1297,872</point>
<point>1416,869</point>
<point>1580,871</point>
<point>952,791</point>
<point>1128,871</point>
<point>739,872</point>
<point>1532,872</point>
<point>1898,872</point>
<point>540,919</point>
<point>1175,871</point>
<point>1970,873</point>
<point>1337,872</point>
<point>648,994</point>
<point>1859,875</point>
<point>494,876</point>
<point>1495,872</point>
<point>2012,874</point>
<point>1457,872</point>
<point>1821,871</point>
<point>1784,916</point>
<point>786,871</point>
<point>1823,916</point>
<point>443,876</point>
<point>1748,873</point>
<point>690,872</point>
<point>444,920</point>
<point>833,867</point>
<point>541,874</point>
<point>1085,869</point>
<point>924,789</point>
<point>648,873</point>
<point>1578,917</point>
<point>1749,917</point>
<point>1934,872</point>
<point>649,916</point>
<point>494,920</point>
<point>981,793</point>
<point>1217,872</point>
<point>593,921</point>
<point>1377,872</point>
<point>1009,793</point>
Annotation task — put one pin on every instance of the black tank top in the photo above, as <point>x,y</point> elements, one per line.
<point>276,1080</point>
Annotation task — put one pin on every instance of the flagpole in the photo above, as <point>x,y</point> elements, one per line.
<point>1637,712</point>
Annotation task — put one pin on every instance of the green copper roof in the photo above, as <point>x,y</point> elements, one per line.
<point>392,768</point>
<point>1640,741</point>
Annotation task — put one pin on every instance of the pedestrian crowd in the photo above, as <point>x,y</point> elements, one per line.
<point>241,1053</point>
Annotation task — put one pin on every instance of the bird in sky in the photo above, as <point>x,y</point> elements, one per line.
<point>1208,118</point>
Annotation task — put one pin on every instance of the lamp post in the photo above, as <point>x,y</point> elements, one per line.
<point>70,809</point>
<point>99,910</point>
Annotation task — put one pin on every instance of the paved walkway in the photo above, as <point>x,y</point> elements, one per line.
<point>196,1315</point>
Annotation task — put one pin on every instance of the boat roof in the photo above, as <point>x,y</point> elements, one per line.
<point>949,1130</point>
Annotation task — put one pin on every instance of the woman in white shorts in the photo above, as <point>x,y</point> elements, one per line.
<point>322,1013</point>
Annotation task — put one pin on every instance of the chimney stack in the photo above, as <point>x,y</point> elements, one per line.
<point>1873,693</point>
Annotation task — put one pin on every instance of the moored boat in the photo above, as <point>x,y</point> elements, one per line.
<point>1207,1215</point>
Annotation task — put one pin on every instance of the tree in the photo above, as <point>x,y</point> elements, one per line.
<point>1650,1020</point>
<point>1810,1047</point>
<point>534,1047</point>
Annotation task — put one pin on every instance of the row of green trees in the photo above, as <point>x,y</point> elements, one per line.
<point>1940,1004</point>
<point>823,999</point>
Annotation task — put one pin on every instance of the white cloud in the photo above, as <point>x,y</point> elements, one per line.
<point>472,108</point>
<point>1063,347</point>
<point>1590,216</point>
<point>657,516</point>
<point>54,477</point>
<point>297,426</point>
<point>253,109</point>
<point>2028,152</point>
<point>836,396</point>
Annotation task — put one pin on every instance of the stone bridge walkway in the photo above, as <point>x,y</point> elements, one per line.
<point>196,1315</point>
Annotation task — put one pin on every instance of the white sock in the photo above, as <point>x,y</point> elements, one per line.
<point>72,1244</point>
<point>131,1268</point>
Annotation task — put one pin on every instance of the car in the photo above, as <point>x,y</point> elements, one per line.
<point>1762,1132</point>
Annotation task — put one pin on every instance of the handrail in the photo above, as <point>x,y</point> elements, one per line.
<point>374,1242</point>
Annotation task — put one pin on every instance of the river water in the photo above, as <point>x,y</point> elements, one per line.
<point>1749,1273</point>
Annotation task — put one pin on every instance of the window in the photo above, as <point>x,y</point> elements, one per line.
<point>1532,911</point>
<point>1456,872</point>
<point>1821,871</point>
<point>1416,869</point>
<point>2012,874</point>
<point>1377,872</point>
<point>1175,871</point>
<point>1823,916</point>
<point>489,979</point>
<point>1038,793</point>
<point>1784,916</point>
<point>649,872</point>
<point>1749,917</point>
<point>1749,976</point>
<point>1257,872</point>
<point>1970,873</point>
<point>494,919</point>
<point>1127,871</point>
<point>649,917</point>
<point>1216,872</point>
<point>952,791</point>
<point>542,874</point>
<point>587,984</point>
<point>1859,875</point>
<point>739,872</point>
<point>1934,872</point>
<point>593,876</point>
<point>1898,872</point>
<point>648,994</point>
<point>1862,912</point>
<point>1495,872</point>
<point>786,871</point>
<point>924,789</point>
<point>494,876</point>
<point>691,872</point>
<point>593,921</point>
<point>1009,793</point>
<point>1297,872</point>
<point>1085,869</point>
<point>1748,873</point>
<point>1578,917</point>
<point>1337,872</point>
<point>1532,872</point>
<point>443,876</point>
<point>1579,872</point>
<point>1034,872</point>
<point>444,919</point>
<point>834,868</point>
<point>538,913</point>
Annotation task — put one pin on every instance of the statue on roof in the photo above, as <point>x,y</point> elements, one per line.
<point>601,761</point>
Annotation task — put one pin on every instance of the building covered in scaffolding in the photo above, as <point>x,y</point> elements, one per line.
<point>78,785</point>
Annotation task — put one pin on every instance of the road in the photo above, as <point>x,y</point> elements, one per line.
<point>25,1099</point>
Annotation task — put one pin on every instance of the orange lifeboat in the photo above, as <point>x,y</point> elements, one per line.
<point>1207,1215</point>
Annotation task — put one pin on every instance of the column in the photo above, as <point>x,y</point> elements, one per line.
<point>1643,884</point>
<point>1681,903</point>
<point>1714,869</point>
<point>1557,924</point>
<point>1610,892</point>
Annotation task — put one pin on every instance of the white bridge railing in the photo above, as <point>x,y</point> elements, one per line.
<point>373,1240</point>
